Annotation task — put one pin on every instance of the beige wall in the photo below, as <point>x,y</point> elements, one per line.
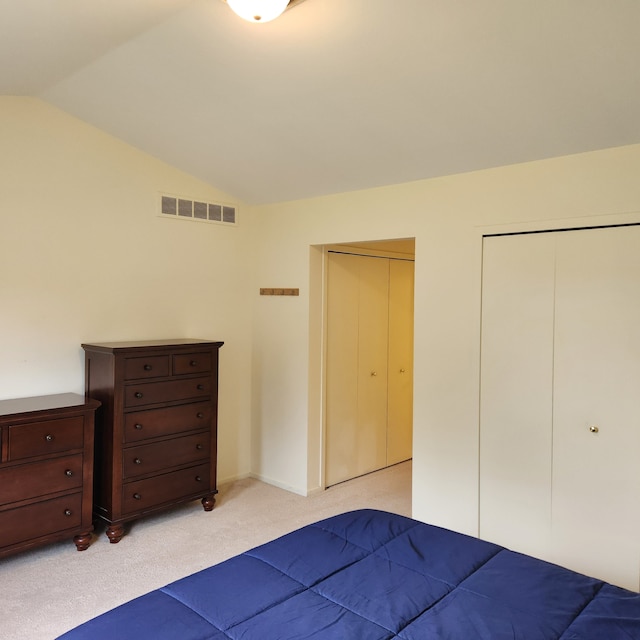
<point>84,257</point>
<point>447,217</point>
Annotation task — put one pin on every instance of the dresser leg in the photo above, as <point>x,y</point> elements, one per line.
<point>208,502</point>
<point>115,532</point>
<point>82,540</point>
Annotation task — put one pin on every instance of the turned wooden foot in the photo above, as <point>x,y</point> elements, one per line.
<point>208,502</point>
<point>82,541</point>
<point>115,532</point>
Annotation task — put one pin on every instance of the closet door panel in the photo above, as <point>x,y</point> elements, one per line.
<point>342,368</point>
<point>357,339</point>
<point>400,397</point>
<point>516,392</point>
<point>371,450</point>
<point>596,511</point>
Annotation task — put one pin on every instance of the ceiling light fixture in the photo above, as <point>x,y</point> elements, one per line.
<point>258,10</point>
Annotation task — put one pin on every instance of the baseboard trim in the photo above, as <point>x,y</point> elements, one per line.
<point>280,485</point>
<point>230,479</point>
<point>257,476</point>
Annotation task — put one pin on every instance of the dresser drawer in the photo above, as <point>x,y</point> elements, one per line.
<point>141,425</point>
<point>47,437</point>
<point>40,519</point>
<point>146,367</point>
<point>146,494</point>
<point>150,458</point>
<point>137,395</point>
<point>40,478</point>
<point>186,363</point>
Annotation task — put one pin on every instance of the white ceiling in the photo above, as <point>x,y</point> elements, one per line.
<point>335,95</point>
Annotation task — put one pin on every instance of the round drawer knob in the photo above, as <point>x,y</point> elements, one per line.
<point>137,427</point>
<point>147,367</point>
<point>200,387</point>
<point>193,363</point>
<point>199,447</point>
<point>68,473</point>
<point>137,461</point>
<point>200,415</point>
<point>48,437</point>
<point>67,512</point>
<point>374,374</point>
<point>137,496</point>
<point>594,429</point>
<point>198,479</point>
<point>138,394</point>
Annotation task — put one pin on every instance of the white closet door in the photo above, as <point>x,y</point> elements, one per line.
<point>516,392</point>
<point>596,482</point>
<point>400,397</point>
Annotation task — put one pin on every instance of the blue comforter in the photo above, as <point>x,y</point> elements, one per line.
<point>370,575</point>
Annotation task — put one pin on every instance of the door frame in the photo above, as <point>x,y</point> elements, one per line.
<point>316,444</point>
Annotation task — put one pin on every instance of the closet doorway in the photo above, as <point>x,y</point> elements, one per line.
<point>369,357</point>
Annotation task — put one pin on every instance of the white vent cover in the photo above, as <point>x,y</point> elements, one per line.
<point>189,209</point>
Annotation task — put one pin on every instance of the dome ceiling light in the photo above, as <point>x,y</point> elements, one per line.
<point>261,10</point>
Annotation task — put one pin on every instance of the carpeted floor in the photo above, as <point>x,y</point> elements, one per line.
<point>47,591</point>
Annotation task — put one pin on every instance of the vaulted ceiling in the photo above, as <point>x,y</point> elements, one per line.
<point>335,95</point>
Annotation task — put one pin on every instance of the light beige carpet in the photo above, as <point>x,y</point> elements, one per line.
<point>47,591</point>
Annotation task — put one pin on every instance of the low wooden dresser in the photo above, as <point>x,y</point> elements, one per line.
<point>46,471</point>
<point>156,431</point>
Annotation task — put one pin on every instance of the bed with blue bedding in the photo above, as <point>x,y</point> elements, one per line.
<point>372,575</point>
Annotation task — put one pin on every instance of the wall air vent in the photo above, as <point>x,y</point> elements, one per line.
<point>181,208</point>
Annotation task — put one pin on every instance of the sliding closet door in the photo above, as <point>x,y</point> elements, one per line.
<point>596,444</point>
<point>516,392</point>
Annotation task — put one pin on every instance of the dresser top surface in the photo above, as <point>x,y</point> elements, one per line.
<point>36,404</point>
<point>150,344</point>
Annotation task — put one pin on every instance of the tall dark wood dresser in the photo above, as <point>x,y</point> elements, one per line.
<point>46,471</point>
<point>156,431</point>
